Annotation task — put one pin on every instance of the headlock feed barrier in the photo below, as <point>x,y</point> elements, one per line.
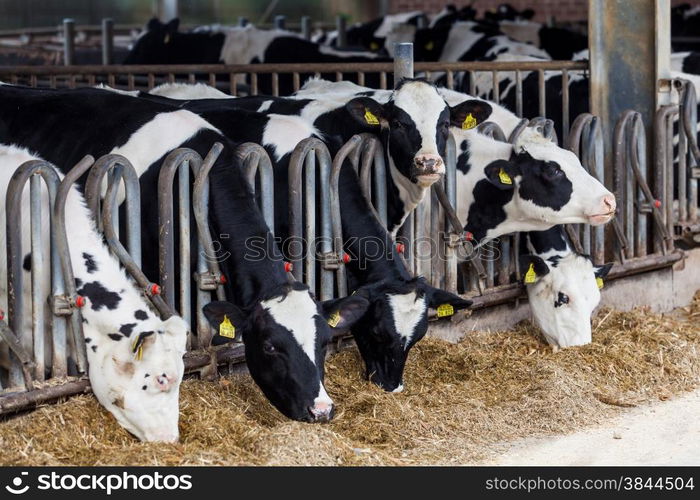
<point>658,203</point>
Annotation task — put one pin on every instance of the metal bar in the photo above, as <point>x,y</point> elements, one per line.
<point>341,27</point>
<point>306,27</point>
<point>107,41</point>
<point>403,62</point>
<point>541,92</point>
<point>20,372</point>
<point>63,250</point>
<point>280,22</point>
<point>38,271</point>
<point>68,42</point>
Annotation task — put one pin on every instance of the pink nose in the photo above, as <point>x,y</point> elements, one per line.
<point>428,164</point>
<point>321,412</point>
<point>609,203</point>
<point>164,382</point>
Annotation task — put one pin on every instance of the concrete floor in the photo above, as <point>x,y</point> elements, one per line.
<point>666,433</point>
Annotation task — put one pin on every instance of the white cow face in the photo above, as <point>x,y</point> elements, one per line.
<point>138,378</point>
<point>563,295</point>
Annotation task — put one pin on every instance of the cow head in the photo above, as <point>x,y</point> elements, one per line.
<point>136,374</point>
<point>396,319</point>
<point>154,46</point>
<point>414,126</point>
<point>538,186</point>
<point>285,337</point>
<point>563,291</point>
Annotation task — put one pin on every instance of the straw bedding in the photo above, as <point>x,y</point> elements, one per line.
<point>461,403</point>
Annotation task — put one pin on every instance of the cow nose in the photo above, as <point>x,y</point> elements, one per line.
<point>428,164</point>
<point>321,411</point>
<point>609,203</point>
<point>164,382</point>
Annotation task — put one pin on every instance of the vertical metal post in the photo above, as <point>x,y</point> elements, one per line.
<point>68,42</point>
<point>403,68</point>
<point>107,41</point>
<point>166,9</point>
<point>403,62</point>
<point>629,52</point>
<point>306,27</point>
<point>279,22</point>
<point>242,21</point>
<point>340,25</point>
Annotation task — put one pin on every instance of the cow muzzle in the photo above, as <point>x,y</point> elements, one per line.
<point>164,382</point>
<point>322,411</point>
<point>427,169</point>
<point>605,211</point>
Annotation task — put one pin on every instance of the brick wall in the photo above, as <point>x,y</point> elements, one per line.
<point>562,10</point>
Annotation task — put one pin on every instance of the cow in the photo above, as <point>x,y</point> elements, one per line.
<point>163,44</point>
<point>563,287</point>
<point>372,34</point>
<point>397,315</point>
<point>281,324</point>
<point>135,358</point>
<point>479,204</point>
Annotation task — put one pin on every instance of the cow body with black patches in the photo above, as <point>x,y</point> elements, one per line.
<point>113,301</point>
<point>145,132</point>
<point>398,304</point>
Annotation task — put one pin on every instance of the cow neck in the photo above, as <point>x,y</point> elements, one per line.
<point>552,242</point>
<point>361,230</point>
<point>253,262</point>
<point>403,195</point>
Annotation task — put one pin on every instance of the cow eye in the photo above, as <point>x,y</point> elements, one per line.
<point>268,348</point>
<point>553,171</point>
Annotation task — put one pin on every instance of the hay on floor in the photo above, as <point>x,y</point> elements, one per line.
<point>461,402</point>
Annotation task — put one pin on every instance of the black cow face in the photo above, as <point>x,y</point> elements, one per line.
<point>154,46</point>
<point>285,341</point>
<point>397,318</point>
<point>414,126</point>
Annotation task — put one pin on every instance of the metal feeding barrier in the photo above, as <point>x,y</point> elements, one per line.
<point>677,164</point>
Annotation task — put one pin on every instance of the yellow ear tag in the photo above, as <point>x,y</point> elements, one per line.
<point>469,122</point>
<point>444,310</point>
<point>226,328</point>
<point>504,178</point>
<point>370,118</point>
<point>334,319</point>
<point>530,275</point>
<point>373,46</point>
<point>599,282</point>
<point>430,45</point>
<point>139,351</point>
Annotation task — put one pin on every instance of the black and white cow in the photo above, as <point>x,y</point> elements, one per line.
<point>563,287</point>
<point>281,324</point>
<point>372,34</point>
<point>164,44</point>
<point>398,303</point>
<point>135,358</point>
<point>493,208</point>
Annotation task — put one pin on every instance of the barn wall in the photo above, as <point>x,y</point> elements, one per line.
<point>562,10</point>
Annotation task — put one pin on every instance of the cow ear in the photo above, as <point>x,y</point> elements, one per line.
<point>341,314</point>
<point>445,302</point>
<point>154,24</point>
<point>602,271</point>
<point>366,111</point>
<point>533,267</point>
<point>228,321</point>
<point>469,114</point>
<point>172,25</point>
<point>502,173</point>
